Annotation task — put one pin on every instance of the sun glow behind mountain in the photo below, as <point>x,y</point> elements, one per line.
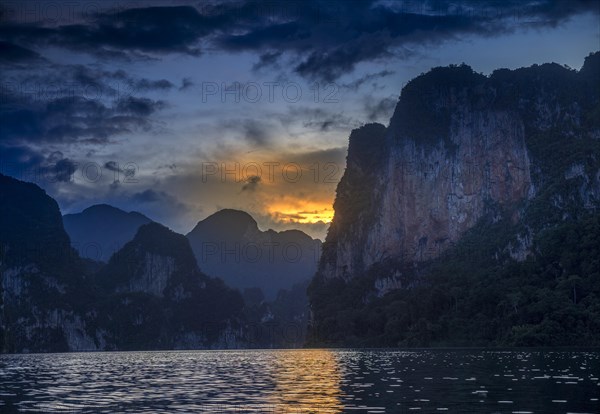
<point>310,213</point>
<point>281,190</point>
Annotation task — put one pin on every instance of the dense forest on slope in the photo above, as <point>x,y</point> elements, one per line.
<point>465,299</point>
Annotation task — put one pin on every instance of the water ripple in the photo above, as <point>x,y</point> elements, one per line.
<point>302,381</point>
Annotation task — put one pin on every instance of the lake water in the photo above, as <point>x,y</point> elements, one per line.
<point>303,381</point>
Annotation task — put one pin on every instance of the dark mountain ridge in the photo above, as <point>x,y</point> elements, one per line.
<point>100,230</point>
<point>229,244</point>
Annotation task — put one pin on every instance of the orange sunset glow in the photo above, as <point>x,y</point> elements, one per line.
<point>309,213</point>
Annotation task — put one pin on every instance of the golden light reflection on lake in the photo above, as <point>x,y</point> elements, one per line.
<point>307,381</point>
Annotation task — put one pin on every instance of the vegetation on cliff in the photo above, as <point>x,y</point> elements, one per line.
<point>527,273</point>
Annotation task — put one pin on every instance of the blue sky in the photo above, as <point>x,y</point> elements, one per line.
<point>177,109</point>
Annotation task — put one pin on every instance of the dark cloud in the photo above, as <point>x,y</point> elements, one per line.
<point>256,133</point>
<point>157,196</point>
<point>319,119</point>
<point>251,183</point>
<point>335,155</point>
<point>141,107</point>
<point>330,122</point>
<point>75,103</point>
<point>72,119</point>
<point>148,85</point>
<point>266,36</point>
<point>115,185</point>
<point>369,77</point>
<point>322,39</point>
<point>379,110</point>
<point>128,172</point>
<point>186,83</point>
<point>112,83</point>
<point>64,169</point>
<point>112,166</point>
<point>331,64</point>
<point>331,38</point>
<point>122,33</point>
<point>148,196</point>
<point>158,203</point>
<point>171,167</point>
<point>267,59</point>
<point>29,164</point>
<point>11,54</point>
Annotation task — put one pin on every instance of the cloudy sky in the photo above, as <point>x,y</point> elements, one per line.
<point>178,109</point>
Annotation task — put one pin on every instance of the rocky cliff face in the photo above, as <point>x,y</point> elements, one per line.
<point>156,262</point>
<point>456,149</point>
<point>520,148</point>
<point>155,290</point>
<point>151,294</point>
<point>43,291</point>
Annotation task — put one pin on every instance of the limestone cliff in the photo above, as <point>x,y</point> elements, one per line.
<point>151,294</point>
<point>517,151</point>
<point>43,292</point>
<point>156,297</point>
<point>459,146</point>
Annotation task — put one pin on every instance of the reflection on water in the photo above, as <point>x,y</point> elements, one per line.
<point>306,381</point>
<point>303,381</point>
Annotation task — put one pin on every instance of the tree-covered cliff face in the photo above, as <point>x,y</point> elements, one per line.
<point>464,221</point>
<point>155,297</point>
<point>44,295</point>
<point>151,294</point>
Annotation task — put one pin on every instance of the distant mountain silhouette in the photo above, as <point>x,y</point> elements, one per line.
<point>229,245</point>
<point>100,230</point>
